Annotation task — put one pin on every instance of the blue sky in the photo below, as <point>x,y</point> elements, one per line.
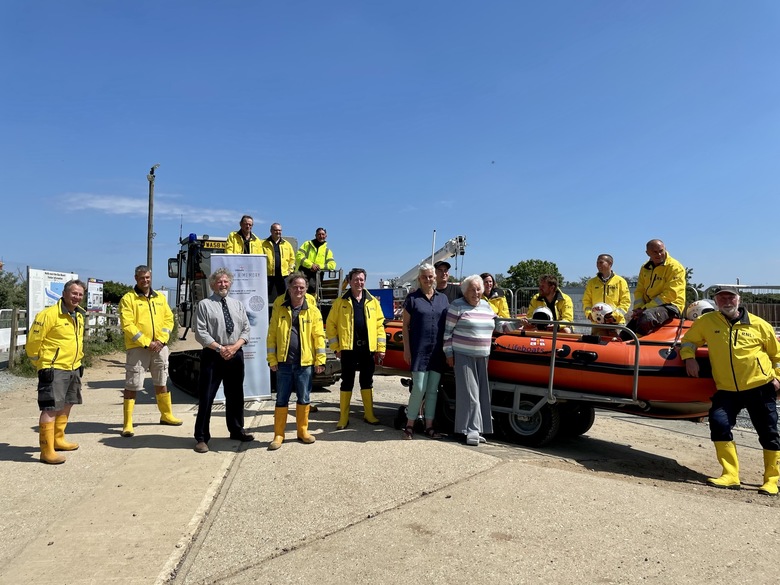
<point>551,130</point>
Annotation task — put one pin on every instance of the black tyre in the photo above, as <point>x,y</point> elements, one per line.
<point>576,419</point>
<point>534,431</point>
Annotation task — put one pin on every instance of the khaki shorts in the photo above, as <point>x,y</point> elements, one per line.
<point>56,388</point>
<point>139,361</point>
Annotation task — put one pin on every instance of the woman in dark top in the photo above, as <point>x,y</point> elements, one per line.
<point>423,331</point>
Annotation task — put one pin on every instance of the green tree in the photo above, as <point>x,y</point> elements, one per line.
<point>13,291</point>
<point>525,274</point>
<point>693,291</point>
<point>114,291</point>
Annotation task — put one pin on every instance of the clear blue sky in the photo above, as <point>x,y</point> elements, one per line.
<point>551,130</point>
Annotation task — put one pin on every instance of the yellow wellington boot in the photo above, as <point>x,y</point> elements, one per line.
<point>771,473</point>
<point>368,406</point>
<point>127,409</point>
<point>302,422</point>
<point>727,457</point>
<point>60,444</point>
<point>344,400</point>
<point>166,410</point>
<point>280,421</point>
<point>46,432</point>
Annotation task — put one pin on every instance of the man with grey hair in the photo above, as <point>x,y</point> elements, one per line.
<point>147,322</point>
<point>56,346</point>
<point>222,328</point>
<point>745,358</point>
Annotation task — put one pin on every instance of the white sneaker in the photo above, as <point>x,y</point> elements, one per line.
<point>472,439</point>
<point>482,439</point>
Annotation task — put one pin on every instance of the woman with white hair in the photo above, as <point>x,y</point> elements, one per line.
<point>423,329</point>
<point>468,332</point>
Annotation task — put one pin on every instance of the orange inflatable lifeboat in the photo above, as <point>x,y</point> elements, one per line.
<point>533,371</point>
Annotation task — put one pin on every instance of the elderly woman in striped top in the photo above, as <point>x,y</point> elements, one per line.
<point>468,332</point>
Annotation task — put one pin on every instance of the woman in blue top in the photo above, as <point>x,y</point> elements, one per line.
<point>423,333</point>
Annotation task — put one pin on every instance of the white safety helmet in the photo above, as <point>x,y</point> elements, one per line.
<point>543,314</point>
<point>600,312</point>
<point>697,308</point>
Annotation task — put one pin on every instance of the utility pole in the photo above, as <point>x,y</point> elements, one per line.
<point>150,232</point>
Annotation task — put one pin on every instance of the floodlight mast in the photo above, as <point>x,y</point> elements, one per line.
<point>150,231</point>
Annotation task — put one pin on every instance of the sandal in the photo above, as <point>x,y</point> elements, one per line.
<point>408,433</point>
<point>431,433</point>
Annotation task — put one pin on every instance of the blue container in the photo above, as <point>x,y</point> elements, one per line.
<point>385,296</point>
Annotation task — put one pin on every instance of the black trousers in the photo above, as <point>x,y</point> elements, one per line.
<point>761,404</point>
<point>213,371</point>
<point>361,359</point>
<point>276,288</point>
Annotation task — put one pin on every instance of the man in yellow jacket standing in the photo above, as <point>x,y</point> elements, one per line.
<point>313,256</point>
<point>56,346</point>
<point>745,358</point>
<point>659,296</point>
<point>244,241</point>
<point>295,349</point>
<point>356,332</point>
<point>281,262</point>
<point>147,322</point>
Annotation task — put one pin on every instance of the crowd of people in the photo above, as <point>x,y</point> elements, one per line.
<point>444,325</point>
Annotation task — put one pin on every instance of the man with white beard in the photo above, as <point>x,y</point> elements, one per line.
<point>222,328</point>
<point>745,359</point>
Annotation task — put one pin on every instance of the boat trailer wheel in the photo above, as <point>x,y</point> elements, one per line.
<point>531,431</point>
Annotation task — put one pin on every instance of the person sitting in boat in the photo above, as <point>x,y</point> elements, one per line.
<point>550,296</point>
<point>607,287</point>
<point>660,291</point>
<point>494,295</point>
<point>745,357</point>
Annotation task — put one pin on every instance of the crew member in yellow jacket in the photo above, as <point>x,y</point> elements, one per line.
<point>147,322</point>
<point>356,332</point>
<point>607,287</point>
<point>244,241</point>
<point>295,348</point>
<point>550,296</point>
<point>281,262</point>
<point>745,358</point>
<point>313,256</point>
<point>659,296</point>
<point>55,345</point>
<point>494,296</point>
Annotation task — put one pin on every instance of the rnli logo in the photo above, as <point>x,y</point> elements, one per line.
<point>537,342</point>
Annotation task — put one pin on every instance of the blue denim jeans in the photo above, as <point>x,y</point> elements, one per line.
<point>289,376</point>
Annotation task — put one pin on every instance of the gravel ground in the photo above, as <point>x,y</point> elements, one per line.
<point>10,382</point>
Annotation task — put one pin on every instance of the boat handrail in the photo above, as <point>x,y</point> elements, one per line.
<point>556,334</point>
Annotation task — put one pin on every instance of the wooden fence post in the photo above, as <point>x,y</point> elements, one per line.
<point>14,333</point>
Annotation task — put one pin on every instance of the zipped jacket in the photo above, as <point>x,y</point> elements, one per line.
<point>743,355</point>
<point>145,319</point>
<point>340,327</point>
<point>564,307</point>
<point>286,253</point>
<point>614,291</point>
<point>497,302</point>
<point>661,285</point>
<point>311,335</point>
<point>56,340</point>
<point>309,254</point>
<point>235,244</point>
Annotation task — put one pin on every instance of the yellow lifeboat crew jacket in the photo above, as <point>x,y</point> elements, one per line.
<point>311,334</point>
<point>341,323</point>
<point>614,291</point>
<point>661,285</point>
<point>497,302</point>
<point>309,254</point>
<point>286,253</point>
<point>564,307</point>
<point>744,354</point>
<point>56,340</point>
<point>235,244</point>
<point>145,319</point>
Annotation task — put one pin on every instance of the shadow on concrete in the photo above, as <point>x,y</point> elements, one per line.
<point>19,453</point>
